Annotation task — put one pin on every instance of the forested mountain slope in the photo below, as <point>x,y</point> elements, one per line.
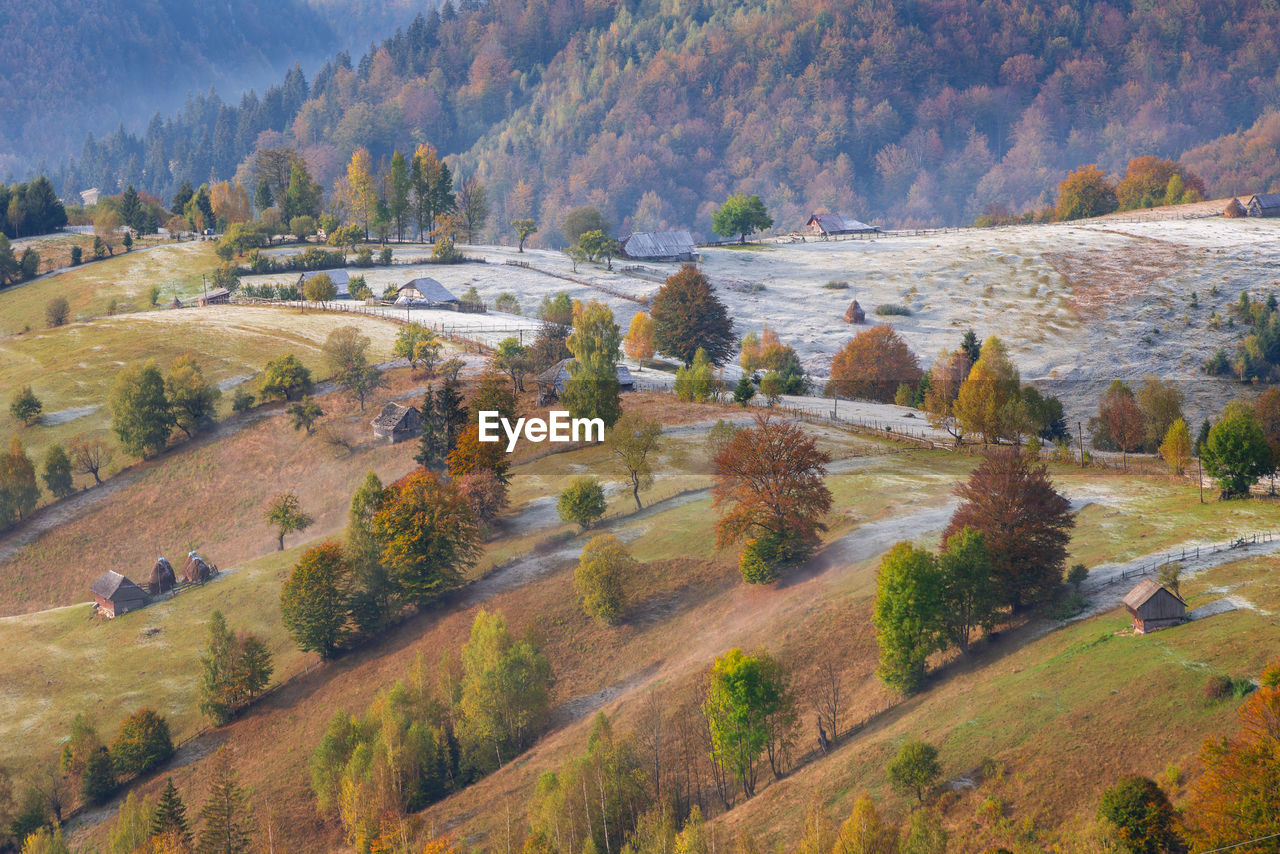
<point>74,66</point>
<point>911,112</point>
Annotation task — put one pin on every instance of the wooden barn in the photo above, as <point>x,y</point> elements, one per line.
<point>340,278</point>
<point>551,382</point>
<point>396,422</point>
<point>1154,607</point>
<point>832,224</point>
<point>221,296</point>
<point>162,578</point>
<point>114,594</point>
<point>424,291</point>
<point>1264,204</point>
<point>196,570</point>
<point>660,246</point>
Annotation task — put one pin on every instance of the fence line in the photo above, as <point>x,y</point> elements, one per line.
<point>1153,566</point>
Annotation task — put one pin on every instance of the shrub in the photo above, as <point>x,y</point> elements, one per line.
<point>892,309</point>
<point>56,311</point>
<point>582,502</point>
<point>836,286</point>
<point>241,401</point>
<point>1221,687</point>
<point>1218,363</point>
<point>600,579</point>
<point>142,744</point>
<point>1077,574</point>
<point>384,257</point>
<point>77,256</point>
<point>761,560</point>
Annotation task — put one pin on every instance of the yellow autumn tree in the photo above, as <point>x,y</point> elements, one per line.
<point>1176,447</point>
<point>865,832</point>
<point>230,201</point>
<point>989,397</point>
<point>639,341</point>
<point>359,190</point>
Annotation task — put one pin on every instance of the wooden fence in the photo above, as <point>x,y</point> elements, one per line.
<point>1153,566</point>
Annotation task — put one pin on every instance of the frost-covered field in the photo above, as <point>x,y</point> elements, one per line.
<point>1079,305</point>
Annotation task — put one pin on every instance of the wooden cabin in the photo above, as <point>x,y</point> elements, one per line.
<point>113,594</point>
<point>396,423</point>
<point>551,382</point>
<point>1154,607</point>
<point>832,224</point>
<point>425,291</point>
<point>660,246</point>
<point>1264,204</point>
<point>220,296</point>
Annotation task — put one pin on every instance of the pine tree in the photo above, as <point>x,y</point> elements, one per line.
<point>218,677</point>
<point>224,818</point>
<point>433,445</point>
<point>170,815</point>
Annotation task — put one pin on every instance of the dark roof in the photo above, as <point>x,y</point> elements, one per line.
<point>838,223</point>
<point>658,244</point>
<point>1267,200</point>
<point>111,585</point>
<point>430,289</point>
<point>340,278</point>
<point>1144,592</point>
<point>392,415</point>
<point>218,293</point>
<point>558,374</point>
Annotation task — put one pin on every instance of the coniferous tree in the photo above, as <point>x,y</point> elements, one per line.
<point>170,816</point>
<point>225,826</point>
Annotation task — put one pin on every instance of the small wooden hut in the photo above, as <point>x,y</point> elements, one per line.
<point>195,570</point>
<point>1154,607</point>
<point>397,422</point>
<point>552,381</point>
<point>1264,204</point>
<point>855,314</point>
<point>220,296</point>
<point>162,578</point>
<point>113,594</point>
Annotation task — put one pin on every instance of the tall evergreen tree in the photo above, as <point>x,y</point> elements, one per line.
<point>224,818</point>
<point>170,817</point>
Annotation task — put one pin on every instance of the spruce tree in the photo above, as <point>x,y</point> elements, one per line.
<point>217,680</point>
<point>171,815</point>
<point>433,445</point>
<point>224,818</point>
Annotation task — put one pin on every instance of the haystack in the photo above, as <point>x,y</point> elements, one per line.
<point>855,314</point>
<point>196,570</point>
<point>162,578</point>
<point>1235,210</point>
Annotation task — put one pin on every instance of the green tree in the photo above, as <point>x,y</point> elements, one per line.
<point>417,344</point>
<point>741,215</point>
<point>170,816</point>
<point>57,472</point>
<point>687,315</point>
<point>399,184</point>
<point>319,288</point>
<point>347,351</point>
<point>742,692</point>
<point>284,378</point>
<point>315,600</point>
<point>697,382</point>
<point>970,595</point>
<point>225,821</point>
<point>581,502</point>
<point>218,672</point>
<point>908,615</point>
<point>81,744</point>
<point>429,536</point>
<point>192,401</point>
<point>593,390</point>
<point>262,197</point>
<point>505,695</point>
<point>24,406</point>
<point>915,769</point>
<point>744,391</point>
<point>596,245</point>
<point>601,577</point>
<point>303,196</point>
<point>632,440</point>
<point>141,415</point>
<point>142,744</point>
<point>580,221</point>
<point>131,831</point>
<point>373,594</point>
<point>1236,453</point>
<point>284,513</point>
<point>512,358</point>
<point>304,414</point>
<point>524,229</point>
<point>1140,816</point>
<point>99,781</point>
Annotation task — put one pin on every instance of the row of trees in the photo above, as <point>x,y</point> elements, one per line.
<point>1148,182</point>
<point>30,208</point>
<point>418,741</point>
<point>1003,549</point>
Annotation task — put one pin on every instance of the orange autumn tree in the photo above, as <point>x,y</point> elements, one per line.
<point>639,341</point>
<point>769,486</point>
<point>1235,799</point>
<point>429,535</point>
<point>872,365</point>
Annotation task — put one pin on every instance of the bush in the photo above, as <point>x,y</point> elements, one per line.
<point>77,256</point>
<point>56,311</point>
<point>1222,687</point>
<point>836,286</point>
<point>1217,364</point>
<point>600,579</point>
<point>241,401</point>
<point>892,309</point>
<point>142,744</point>
<point>1067,606</point>
<point>761,560</point>
<point>1077,574</point>
<point>582,502</point>
<point>384,257</point>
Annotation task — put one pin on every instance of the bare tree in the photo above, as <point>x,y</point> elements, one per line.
<point>826,689</point>
<point>90,455</point>
<point>652,737</point>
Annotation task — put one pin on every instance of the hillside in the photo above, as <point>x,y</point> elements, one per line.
<point>77,68</point>
<point>920,113</point>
